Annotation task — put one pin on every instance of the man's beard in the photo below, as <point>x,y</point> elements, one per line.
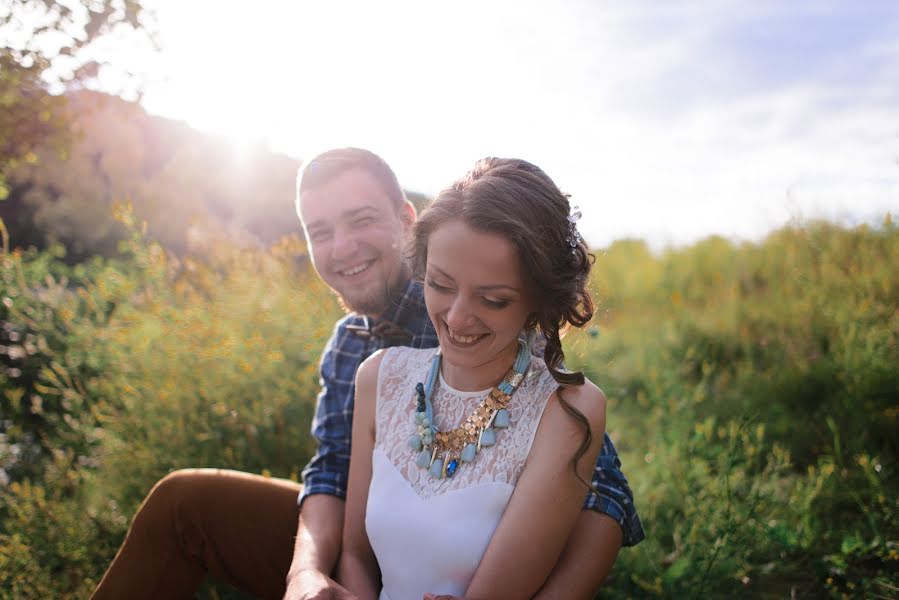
<point>378,301</point>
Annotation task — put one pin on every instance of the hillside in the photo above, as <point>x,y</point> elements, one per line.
<point>188,186</point>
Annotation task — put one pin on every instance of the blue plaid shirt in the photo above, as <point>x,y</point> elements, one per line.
<point>332,426</point>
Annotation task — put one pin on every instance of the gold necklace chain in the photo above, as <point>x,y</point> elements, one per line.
<point>480,418</point>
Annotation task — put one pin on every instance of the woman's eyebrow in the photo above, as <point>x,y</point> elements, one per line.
<point>440,271</point>
<point>497,286</point>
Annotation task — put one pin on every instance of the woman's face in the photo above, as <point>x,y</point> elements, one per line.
<point>476,295</point>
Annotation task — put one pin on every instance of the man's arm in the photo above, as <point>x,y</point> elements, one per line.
<point>320,526</point>
<point>316,550</point>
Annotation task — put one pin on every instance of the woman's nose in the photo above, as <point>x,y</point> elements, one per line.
<point>459,315</point>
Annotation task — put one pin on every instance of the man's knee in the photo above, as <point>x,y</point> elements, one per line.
<point>173,486</point>
<point>178,491</point>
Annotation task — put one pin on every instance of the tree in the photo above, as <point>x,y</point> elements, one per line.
<point>44,54</point>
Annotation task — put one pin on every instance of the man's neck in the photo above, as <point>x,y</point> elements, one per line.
<point>394,298</point>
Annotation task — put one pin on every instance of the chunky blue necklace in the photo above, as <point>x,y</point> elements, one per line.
<point>441,452</point>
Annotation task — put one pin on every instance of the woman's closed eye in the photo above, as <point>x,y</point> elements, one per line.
<point>495,302</point>
<point>436,286</point>
<point>489,301</point>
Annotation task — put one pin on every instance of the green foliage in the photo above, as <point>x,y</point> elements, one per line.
<point>53,534</point>
<point>755,393</point>
<point>752,396</point>
<point>49,316</point>
<point>145,364</point>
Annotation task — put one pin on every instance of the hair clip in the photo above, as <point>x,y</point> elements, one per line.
<point>574,237</point>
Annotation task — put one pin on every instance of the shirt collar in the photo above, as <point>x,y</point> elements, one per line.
<point>406,310</point>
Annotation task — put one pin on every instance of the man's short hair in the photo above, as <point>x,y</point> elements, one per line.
<point>324,167</point>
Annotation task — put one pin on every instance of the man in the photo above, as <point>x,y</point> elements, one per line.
<point>239,527</point>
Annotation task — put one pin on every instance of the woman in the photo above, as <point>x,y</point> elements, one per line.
<point>468,466</point>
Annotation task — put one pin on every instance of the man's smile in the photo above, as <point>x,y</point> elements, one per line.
<point>356,269</point>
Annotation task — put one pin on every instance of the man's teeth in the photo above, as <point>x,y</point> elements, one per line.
<point>354,270</point>
<point>463,339</point>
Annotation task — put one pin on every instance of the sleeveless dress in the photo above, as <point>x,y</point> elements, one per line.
<point>430,534</point>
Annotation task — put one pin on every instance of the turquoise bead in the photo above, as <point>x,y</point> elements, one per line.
<point>424,459</point>
<point>437,468</point>
<point>415,442</point>
<point>469,452</point>
<point>502,419</point>
<point>419,417</point>
<point>488,438</point>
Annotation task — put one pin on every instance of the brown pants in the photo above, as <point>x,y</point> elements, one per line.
<point>238,527</point>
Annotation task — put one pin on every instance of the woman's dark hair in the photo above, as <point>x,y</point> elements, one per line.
<point>516,199</point>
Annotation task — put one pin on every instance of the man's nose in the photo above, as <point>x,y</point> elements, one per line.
<point>345,244</point>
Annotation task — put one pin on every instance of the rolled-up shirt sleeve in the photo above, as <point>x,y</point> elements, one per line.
<point>615,498</point>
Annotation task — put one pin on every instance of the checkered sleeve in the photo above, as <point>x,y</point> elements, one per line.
<point>327,472</point>
<point>615,497</point>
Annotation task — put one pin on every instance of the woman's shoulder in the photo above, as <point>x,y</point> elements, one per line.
<point>394,358</point>
<point>587,399</point>
<point>367,373</point>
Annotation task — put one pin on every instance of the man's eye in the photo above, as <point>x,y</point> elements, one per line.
<point>363,222</point>
<point>319,236</point>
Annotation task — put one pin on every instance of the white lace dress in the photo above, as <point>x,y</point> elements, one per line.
<point>429,534</point>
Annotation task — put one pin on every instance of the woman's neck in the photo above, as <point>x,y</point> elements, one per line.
<point>480,377</point>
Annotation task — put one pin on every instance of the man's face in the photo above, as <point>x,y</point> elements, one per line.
<point>355,236</point>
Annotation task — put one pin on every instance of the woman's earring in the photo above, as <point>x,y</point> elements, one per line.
<point>530,329</point>
<point>532,337</point>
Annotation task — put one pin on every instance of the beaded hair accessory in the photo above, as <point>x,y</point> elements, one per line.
<point>574,236</point>
<point>441,452</point>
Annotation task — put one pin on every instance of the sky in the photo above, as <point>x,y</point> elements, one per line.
<point>665,120</point>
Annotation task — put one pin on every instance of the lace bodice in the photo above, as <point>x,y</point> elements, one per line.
<point>401,369</point>
<point>429,534</point>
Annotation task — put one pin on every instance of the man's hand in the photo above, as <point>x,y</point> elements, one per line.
<point>316,550</point>
<point>309,584</point>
